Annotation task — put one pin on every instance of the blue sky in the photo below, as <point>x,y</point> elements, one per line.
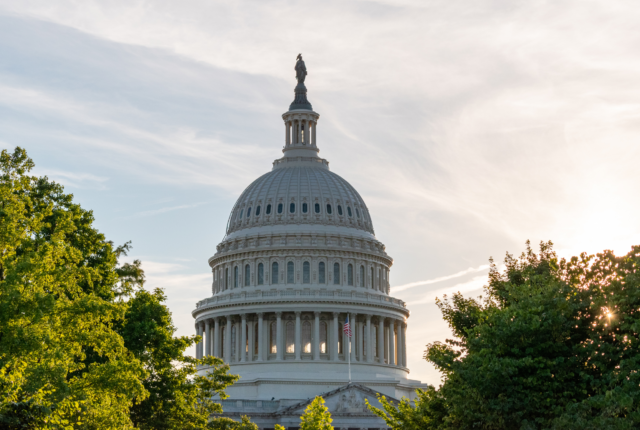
<point>467,127</point>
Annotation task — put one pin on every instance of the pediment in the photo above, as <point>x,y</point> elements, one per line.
<point>346,400</point>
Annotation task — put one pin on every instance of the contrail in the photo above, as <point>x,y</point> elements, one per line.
<point>440,279</point>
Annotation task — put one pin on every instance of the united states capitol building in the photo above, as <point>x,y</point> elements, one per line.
<point>299,256</point>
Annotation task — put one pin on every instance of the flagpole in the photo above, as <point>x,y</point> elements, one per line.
<point>349,354</point>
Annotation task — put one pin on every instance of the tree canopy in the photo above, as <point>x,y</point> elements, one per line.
<point>553,345</point>
<point>82,344</point>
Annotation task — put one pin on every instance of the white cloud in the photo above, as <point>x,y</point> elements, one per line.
<point>399,288</point>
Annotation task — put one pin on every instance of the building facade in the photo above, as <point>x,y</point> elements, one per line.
<point>300,257</point>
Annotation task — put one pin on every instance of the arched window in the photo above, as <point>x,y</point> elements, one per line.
<point>292,207</point>
<point>329,209</point>
<point>258,211</point>
<point>361,276</point>
<point>235,277</point>
<point>273,333</point>
<point>379,280</point>
<point>289,335</point>
<point>247,275</point>
<point>348,210</point>
<point>233,341</point>
<point>249,212</point>
<point>260,274</point>
<point>241,211</point>
<point>323,337</point>
<point>223,333</point>
<point>317,208</point>
<point>256,336</point>
<point>305,208</point>
<point>274,273</point>
<point>269,209</point>
<point>336,274</point>
<point>306,273</point>
<point>227,281</point>
<point>321,273</point>
<point>339,209</point>
<point>371,284</point>
<point>290,274</point>
<point>350,274</point>
<point>279,208</point>
<point>357,213</point>
<point>306,337</point>
<point>375,341</point>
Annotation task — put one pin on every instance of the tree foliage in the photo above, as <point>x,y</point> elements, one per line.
<point>82,345</point>
<point>554,344</point>
<point>316,416</point>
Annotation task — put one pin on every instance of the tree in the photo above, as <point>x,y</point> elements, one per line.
<point>179,397</point>
<point>316,416</point>
<point>553,345</point>
<point>427,412</point>
<point>59,283</point>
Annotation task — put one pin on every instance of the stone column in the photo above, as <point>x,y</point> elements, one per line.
<point>334,337</point>
<point>237,340</point>
<point>207,331</point>
<point>360,337</point>
<point>297,340</point>
<point>400,348</point>
<point>252,340</point>
<point>316,336</point>
<point>260,336</point>
<point>392,343</point>
<point>279,354</point>
<point>227,341</point>
<point>243,338</point>
<point>381,340</point>
<point>216,337</point>
<point>352,321</point>
<point>404,344</point>
<point>313,141</point>
<point>199,343</point>
<point>287,127</point>
<point>369,340</point>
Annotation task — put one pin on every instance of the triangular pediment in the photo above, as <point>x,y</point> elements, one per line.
<point>348,399</point>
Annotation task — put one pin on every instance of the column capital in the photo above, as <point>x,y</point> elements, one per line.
<point>368,316</point>
<point>336,314</point>
<point>279,314</point>
<point>243,316</point>
<point>316,313</point>
<point>298,313</point>
<point>260,314</point>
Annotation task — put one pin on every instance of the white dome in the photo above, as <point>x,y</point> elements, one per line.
<point>300,191</point>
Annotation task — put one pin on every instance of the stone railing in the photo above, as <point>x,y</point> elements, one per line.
<point>259,296</point>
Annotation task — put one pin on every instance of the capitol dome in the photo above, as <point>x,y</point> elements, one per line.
<point>299,261</point>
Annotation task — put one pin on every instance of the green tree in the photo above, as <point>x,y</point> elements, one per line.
<point>427,412</point>
<point>62,365</point>
<point>179,397</point>
<point>553,345</point>
<point>316,416</point>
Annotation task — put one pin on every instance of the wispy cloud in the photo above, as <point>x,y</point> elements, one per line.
<point>399,288</point>
<point>74,179</point>
<point>474,284</point>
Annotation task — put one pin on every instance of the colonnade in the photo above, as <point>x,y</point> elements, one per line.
<point>303,336</point>
<point>300,131</point>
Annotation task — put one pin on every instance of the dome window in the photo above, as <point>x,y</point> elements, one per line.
<point>306,273</point>
<point>274,273</point>
<point>339,210</point>
<point>321,273</point>
<point>350,274</point>
<point>249,212</point>
<point>247,275</point>
<point>336,274</point>
<point>357,213</point>
<point>260,274</point>
<point>269,209</point>
<point>305,208</point>
<point>348,210</point>
<point>292,208</point>
<point>258,211</point>
<point>240,216</point>
<point>317,208</point>
<point>329,209</point>
<point>280,207</point>
<point>290,273</point>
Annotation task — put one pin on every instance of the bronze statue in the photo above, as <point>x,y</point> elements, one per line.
<point>301,69</point>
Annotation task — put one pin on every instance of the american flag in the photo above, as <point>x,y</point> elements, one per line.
<point>347,327</point>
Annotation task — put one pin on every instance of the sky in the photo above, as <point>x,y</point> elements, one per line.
<point>467,127</point>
